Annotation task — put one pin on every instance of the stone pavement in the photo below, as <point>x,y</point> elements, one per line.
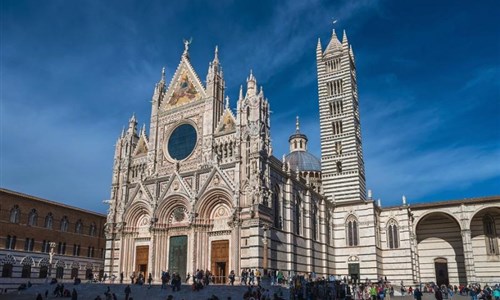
<point>90,291</point>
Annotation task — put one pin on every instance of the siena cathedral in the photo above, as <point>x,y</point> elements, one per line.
<point>203,190</point>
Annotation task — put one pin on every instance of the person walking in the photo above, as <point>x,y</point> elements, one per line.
<point>121,278</point>
<point>231,277</point>
<point>150,280</point>
<point>74,295</point>
<point>438,294</point>
<point>127,292</point>
<point>39,297</point>
<point>417,294</point>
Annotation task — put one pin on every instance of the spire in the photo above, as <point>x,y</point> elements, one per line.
<point>132,123</point>
<point>216,55</point>
<point>123,132</point>
<point>297,141</point>
<point>143,129</point>
<point>344,38</point>
<point>297,125</point>
<point>241,92</point>
<point>227,102</point>
<point>163,75</point>
<point>318,46</point>
<point>334,44</point>
<point>251,84</point>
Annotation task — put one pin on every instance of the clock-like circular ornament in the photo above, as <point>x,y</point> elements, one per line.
<point>182,141</point>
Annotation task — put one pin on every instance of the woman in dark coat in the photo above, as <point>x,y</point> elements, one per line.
<point>74,295</point>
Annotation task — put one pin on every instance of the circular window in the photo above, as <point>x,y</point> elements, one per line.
<point>182,141</point>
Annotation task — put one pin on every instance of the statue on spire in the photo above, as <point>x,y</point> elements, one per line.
<point>186,45</point>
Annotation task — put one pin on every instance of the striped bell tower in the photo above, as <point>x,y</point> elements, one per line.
<point>342,166</point>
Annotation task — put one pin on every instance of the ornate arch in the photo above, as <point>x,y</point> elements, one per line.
<point>9,259</point>
<point>171,204</point>
<point>44,262</point>
<point>135,212</point>
<point>213,199</point>
<point>28,260</point>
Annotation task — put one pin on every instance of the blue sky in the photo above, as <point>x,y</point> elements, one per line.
<point>72,73</point>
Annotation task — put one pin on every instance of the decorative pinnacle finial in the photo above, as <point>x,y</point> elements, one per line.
<point>227,102</point>
<point>163,74</point>
<point>241,92</point>
<point>297,127</point>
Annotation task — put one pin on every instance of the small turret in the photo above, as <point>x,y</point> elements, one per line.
<point>132,125</point>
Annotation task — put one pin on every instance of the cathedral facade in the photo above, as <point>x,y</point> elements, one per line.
<point>203,190</point>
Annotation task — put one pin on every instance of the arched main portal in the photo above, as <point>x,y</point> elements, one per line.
<point>440,249</point>
<point>485,238</point>
<point>215,212</point>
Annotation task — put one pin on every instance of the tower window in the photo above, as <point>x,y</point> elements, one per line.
<point>338,147</point>
<point>336,108</point>
<point>337,127</point>
<point>339,167</point>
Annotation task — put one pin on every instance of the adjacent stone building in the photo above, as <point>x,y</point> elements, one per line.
<point>203,190</point>
<point>41,238</point>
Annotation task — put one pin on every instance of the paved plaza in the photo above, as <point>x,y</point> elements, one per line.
<point>91,291</point>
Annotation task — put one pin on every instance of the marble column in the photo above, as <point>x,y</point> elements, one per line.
<point>470,270</point>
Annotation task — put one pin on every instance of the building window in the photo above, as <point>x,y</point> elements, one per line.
<point>336,108</point>
<point>33,218</point>
<point>10,242</point>
<point>339,167</point>
<point>352,231</point>
<point>14,214</point>
<point>61,248</point>
<point>298,215</point>
<point>314,222</point>
<point>78,226</point>
<point>49,220</point>
<point>392,235</point>
<point>29,244</point>
<point>338,147</point>
<point>328,229</point>
<point>90,252</point>
<point>278,220</point>
<point>92,229</point>
<point>46,246</point>
<point>8,262</point>
<point>64,224</point>
<point>337,127</point>
<point>490,235</point>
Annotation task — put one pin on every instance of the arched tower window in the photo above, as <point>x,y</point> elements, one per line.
<point>490,235</point>
<point>33,218</point>
<point>352,231</point>
<point>15,212</point>
<point>64,224</point>
<point>49,219</point>
<point>298,214</point>
<point>392,235</point>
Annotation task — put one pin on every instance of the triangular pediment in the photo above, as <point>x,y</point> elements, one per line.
<point>184,88</point>
<point>176,185</point>
<point>142,146</point>
<point>227,123</point>
<point>216,179</point>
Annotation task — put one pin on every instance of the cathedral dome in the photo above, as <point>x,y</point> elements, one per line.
<point>299,158</point>
<point>303,161</point>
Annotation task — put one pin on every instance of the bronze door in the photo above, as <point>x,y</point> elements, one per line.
<point>141,260</point>
<point>177,259</point>
<point>220,260</point>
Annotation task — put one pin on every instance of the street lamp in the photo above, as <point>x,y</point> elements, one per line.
<point>52,245</point>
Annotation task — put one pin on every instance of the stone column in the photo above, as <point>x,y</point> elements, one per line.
<point>470,270</point>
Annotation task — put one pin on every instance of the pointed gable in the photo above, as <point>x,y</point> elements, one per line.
<point>227,123</point>
<point>184,88</point>
<point>142,146</point>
